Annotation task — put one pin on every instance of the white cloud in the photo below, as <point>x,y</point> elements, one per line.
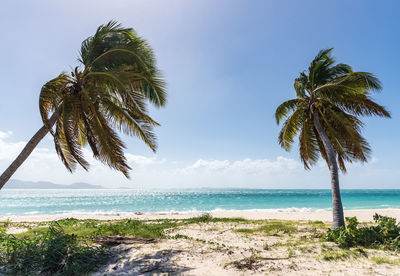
<point>44,165</point>
<point>142,160</point>
<point>4,135</point>
<point>9,149</point>
<point>255,173</point>
<point>245,166</point>
<point>214,165</point>
<point>156,172</point>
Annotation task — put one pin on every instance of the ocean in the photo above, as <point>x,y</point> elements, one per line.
<point>113,201</point>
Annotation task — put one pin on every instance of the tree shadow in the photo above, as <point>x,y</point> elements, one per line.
<point>160,262</point>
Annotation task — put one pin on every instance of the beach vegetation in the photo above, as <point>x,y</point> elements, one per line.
<point>233,220</point>
<point>330,253</point>
<point>248,263</point>
<point>245,230</point>
<point>180,236</point>
<point>207,218</point>
<point>54,253</point>
<point>108,93</point>
<point>325,114</point>
<point>385,233</point>
<point>4,225</point>
<point>291,253</point>
<point>316,223</point>
<point>270,227</point>
<point>335,255</point>
<point>204,218</point>
<point>306,249</point>
<point>89,229</point>
<point>211,229</point>
<point>90,243</point>
<point>385,260</point>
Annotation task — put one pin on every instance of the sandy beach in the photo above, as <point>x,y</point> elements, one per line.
<point>364,215</point>
<point>272,243</point>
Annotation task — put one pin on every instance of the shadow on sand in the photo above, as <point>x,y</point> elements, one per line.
<point>161,262</point>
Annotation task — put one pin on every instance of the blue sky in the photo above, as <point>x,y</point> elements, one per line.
<point>228,65</point>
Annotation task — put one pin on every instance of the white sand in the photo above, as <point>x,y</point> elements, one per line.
<point>326,216</point>
<point>214,248</point>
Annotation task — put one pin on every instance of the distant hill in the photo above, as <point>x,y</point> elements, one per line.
<point>19,184</point>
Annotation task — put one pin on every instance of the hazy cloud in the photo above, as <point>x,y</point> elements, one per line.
<point>245,166</point>
<point>156,172</point>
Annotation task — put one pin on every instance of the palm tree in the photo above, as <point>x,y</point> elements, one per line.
<point>325,114</point>
<point>107,94</point>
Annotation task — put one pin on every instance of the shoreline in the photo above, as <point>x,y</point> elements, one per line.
<point>363,215</point>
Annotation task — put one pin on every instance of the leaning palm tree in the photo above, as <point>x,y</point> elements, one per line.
<point>330,99</point>
<point>106,94</point>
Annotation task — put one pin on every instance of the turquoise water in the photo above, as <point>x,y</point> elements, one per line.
<point>109,201</point>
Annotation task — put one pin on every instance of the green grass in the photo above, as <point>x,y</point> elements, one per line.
<point>270,227</point>
<point>88,229</point>
<point>335,255</point>
<point>245,230</point>
<point>332,254</point>
<point>306,249</point>
<point>232,220</point>
<point>53,253</point>
<point>384,260</point>
<point>79,237</point>
<point>317,223</point>
<point>384,233</point>
<point>204,218</point>
<point>151,229</point>
<point>207,218</point>
<point>64,249</point>
<point>290,252</point>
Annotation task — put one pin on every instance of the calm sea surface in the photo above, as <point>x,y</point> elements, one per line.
<point>109,201</point>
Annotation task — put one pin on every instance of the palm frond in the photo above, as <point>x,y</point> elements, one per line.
<point>51,96</point>
<point>109,95</point>
<point>339,96</point>
<point>309,148</point>
<point>291,128</point>
<point>284,108</point>
<point>301,85</point>
<point>132,123</point>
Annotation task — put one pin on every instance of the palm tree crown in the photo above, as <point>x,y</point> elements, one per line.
<point>106,94</point>
<point>338,96</point>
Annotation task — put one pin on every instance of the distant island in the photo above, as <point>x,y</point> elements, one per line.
<point>19,184</point>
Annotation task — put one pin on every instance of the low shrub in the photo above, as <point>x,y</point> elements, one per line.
<point>206,217</point>
<point>135,228</point>
<point>386,233</point>
<point>270,227</point>
<point>54,253</point>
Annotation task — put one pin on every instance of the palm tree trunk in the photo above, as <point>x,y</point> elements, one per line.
<point>337,207</point>
<point>27,150</point>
